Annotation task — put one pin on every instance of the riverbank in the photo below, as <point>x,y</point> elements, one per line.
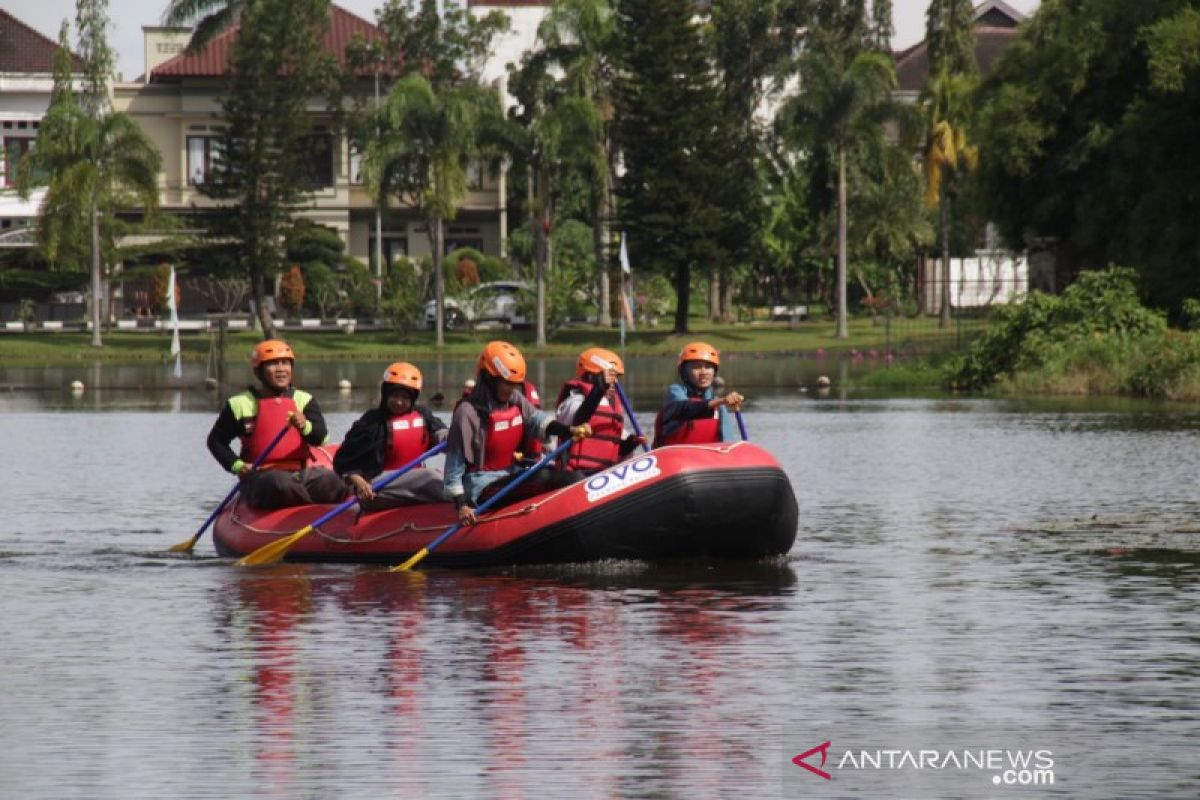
<point>906,336</point>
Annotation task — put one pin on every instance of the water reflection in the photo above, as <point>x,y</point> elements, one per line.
<point>530,676</point>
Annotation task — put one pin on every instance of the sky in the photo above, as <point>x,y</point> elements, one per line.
<point>128,17</point>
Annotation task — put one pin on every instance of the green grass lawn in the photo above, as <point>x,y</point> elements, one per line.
<point>920,334</point>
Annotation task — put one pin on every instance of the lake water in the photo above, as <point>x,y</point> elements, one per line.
<point>968,573</point>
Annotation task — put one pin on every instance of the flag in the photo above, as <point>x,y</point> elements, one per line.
<point>624,256</point>
<point>175,348</point>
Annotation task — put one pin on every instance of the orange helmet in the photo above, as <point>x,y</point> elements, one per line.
<point>699,351</point>
<point>597,359</point>
<point>270,350</point>
<point>403,374</point>
<point>503,361</point>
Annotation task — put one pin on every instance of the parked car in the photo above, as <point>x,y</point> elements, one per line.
<point>496,302</point>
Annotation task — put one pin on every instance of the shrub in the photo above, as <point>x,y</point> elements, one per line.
<point>1099,305</point>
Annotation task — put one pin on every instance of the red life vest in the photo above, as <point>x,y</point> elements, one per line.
<point>532,446</point>
<point>705,430</point>
<point>409,439</point>
<point>272,414</point>
<point>603,448</point>
<point>505,430</point>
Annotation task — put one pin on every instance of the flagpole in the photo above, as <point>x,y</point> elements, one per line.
<point>176,350</point>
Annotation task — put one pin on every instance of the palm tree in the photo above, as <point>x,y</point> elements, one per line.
<point>425,140</point>
<point>948,155</point>
<point>843,103</point>
<point>579,37</point>
<point>211,18</point>
<point>93,166</point>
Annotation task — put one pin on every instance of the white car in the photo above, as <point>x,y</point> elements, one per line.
<point>495,302</point>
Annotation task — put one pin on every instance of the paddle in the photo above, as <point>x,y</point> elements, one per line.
<point>491,501</point>
<point>741,425</point>
<point>186,546</point>
<point>629,410</point>
<point>273,551</point>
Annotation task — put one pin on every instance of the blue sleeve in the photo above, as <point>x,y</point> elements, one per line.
<point>454,470</point>
<point>729,429</point>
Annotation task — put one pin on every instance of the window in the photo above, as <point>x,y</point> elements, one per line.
<point>475,176</point>
<point>201,153</point>
<point>356,159</point>
<point>394,247</point>
<point>320,151</point>
<point>14,150</point>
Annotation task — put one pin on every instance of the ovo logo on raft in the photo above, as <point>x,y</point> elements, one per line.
<point>621,477</point>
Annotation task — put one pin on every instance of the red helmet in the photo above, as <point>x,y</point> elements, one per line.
<point>597,359</point>
<point>503,361</point>
<point>403,374</point>
<point>270,350</point>
<point>699,351</point>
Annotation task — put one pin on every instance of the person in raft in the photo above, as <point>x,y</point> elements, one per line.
<point>256,416</point>
<point>487,428</point>
<point>386,438</point>
<point>692,413</point>
<point>531,448</point>
<point>591,397</point>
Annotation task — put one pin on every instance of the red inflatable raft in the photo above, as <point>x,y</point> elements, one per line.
<point>722,500</point>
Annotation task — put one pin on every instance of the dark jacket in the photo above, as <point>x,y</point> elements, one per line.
<point>366,446</point>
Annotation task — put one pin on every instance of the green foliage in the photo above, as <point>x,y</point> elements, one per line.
<point>669,102</point>
<point>1098,306</point>
<point>1081,124</point>
<point>275,67</point>
<point>1170,368</point>
<point>358,288</point>
<point>404,295</point>
<point>307,243</point>
<point>324,290</point>
<point>1191,313</point>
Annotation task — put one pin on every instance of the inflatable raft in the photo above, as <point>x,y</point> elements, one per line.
<point>683,501</point>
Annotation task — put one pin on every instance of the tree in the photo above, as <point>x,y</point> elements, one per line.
<point>579,37</point>
<point>948,152</point>
<point>668,106</point>
<point>1080,127</point>
<point>276,67</point>
<point>841,107</point>
<point>291,290</point>
<point>211,17</point>
<point>436,119</point>
<point>95,165</point>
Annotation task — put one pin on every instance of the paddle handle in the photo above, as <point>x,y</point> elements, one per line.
<point>484,506</point>
<point>381,482</point>
<point>629,412</point>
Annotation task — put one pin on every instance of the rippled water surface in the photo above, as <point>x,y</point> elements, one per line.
<point>961,565</point>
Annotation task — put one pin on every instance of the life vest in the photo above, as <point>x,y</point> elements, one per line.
<point>409,439</point>
<point>603,448</point>
<point>505,431</point>
<point>705,430</point>
<point>532,446</point>
<point>262,418</point>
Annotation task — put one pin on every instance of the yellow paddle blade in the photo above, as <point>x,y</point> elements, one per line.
<point>274,551</point>
<point>185,546</point>
<point>407,565</point>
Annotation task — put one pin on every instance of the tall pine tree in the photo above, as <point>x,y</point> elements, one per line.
<point>669,108</point>
<point>277,68</point>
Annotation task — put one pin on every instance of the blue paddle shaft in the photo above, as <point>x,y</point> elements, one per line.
<point>629,410</point>
<point>741,426</point>
<point>491,501</point>
<point>237,486</point>
<point>379,484</point>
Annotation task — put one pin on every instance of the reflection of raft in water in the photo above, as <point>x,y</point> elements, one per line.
<point>727,501</point>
